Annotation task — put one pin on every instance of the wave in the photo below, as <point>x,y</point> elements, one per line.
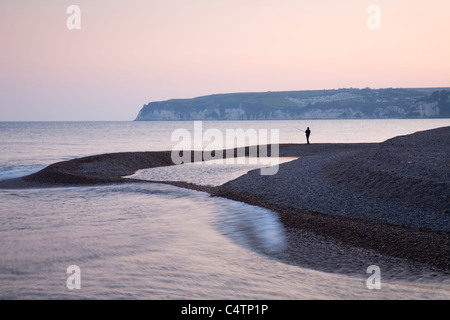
<point>252,227</point>
<point>17,172</point>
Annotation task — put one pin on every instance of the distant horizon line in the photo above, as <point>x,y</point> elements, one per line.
<point>150,121</point>
<point>258,92</point>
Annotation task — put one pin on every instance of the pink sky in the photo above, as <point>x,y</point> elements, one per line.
<point>129,53</point>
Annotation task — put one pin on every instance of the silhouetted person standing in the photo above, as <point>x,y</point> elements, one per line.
<point>308,133</point>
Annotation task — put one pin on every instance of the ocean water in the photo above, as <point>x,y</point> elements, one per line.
<point>152,241</point>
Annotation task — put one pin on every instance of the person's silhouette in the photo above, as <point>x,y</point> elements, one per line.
<point>308,133</point>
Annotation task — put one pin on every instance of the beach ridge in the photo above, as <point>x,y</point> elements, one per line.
<point>329,190</point>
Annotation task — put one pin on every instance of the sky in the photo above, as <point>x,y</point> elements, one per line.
<point>128,53</point>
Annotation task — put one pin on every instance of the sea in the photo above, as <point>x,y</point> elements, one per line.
<point>155,241</point>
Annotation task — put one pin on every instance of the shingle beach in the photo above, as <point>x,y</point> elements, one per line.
<point>390,198</point>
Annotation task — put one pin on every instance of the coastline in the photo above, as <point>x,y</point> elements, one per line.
<point>335,169</point>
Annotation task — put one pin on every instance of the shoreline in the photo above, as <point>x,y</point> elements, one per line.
<point>421,245</point>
